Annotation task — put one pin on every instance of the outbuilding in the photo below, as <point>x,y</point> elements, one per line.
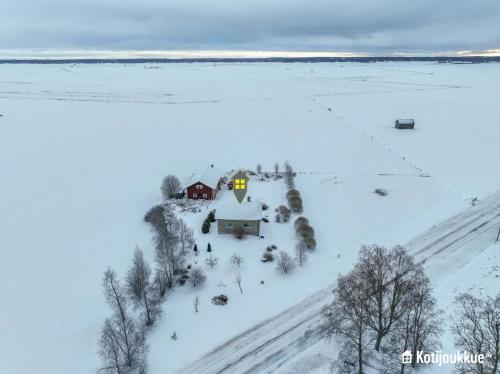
<point>236,216</point>
<point>404,124</point>
<point>204,185</point>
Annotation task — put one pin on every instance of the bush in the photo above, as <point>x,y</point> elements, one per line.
<point>285,263</point>
<point>220,300</point>
<point>264,219</point>
<point>381,191</point>
<point>267,257</point>
<point>197,277</point>
<point>309,242</point>
<point>284,214</point>
<point>205,228</point>
<point>265,206</point>
<point>211,261</point>
<point>292,193</point>
<point>273,246</point>
<point>209,247</point>
<point>211,216</point>
<point>305,231</point>
<point>239,232</point>
<point>236,260</point>
<point>301,221</point>
<point>295,204</point>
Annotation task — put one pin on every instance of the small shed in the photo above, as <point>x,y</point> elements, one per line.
<point>247,215</point>
<point>404,124</point>
<point>204,185</point>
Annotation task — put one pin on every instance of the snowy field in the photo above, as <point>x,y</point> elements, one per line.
<point>83,150</point>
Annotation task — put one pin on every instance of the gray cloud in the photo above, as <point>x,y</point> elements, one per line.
<point>354,25</point>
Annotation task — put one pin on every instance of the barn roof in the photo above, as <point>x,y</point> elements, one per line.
<point>407,121</point>
<point>209,177</point>
<point>246,211</point>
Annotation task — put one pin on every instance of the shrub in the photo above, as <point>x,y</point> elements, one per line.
<point>381,191</point>
<point>195,249</point>
<point>269,249</point>
<point>211,261</point>
<point>267,257</point>
<point>264,219</point>
<point>309,242</point>
<point>284,213</point>
<point>197,277</point>
<point>305,231</point>
<point>236,260</point>
<point>209,247</point>
<point>273,246</point>
<point>295,204</point>
<point>285,263</point>
<point>211,216</point>
<point>239,232</point>
<point>265,206</point>
<point>220,300</point>
<point>205,228</point>
<point>292,193</point>
<point>301,221</point>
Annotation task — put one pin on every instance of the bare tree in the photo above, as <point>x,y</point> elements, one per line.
<point>237,280</point>
<point>389,274</point>
<point>170,186</point>
<point>196,303</point>
<point>186,237</point>
<point>197,277</point>
<point>301,252</point>
<point>259,168</point>
<point>211,261</point>
<point>285,263</point>
<point>140,289</point>
<point>167,253</point>
<point>283,214</point>
<point>346,322</point>
<point>477,331</point>
<point>130,339</point>
<point>236,260</point>
<point>110,350</point>
<point>419,328</point>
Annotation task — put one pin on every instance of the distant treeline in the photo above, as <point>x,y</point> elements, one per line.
<point>451,60</point>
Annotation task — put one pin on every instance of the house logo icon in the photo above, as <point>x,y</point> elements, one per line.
<point>406,357</point>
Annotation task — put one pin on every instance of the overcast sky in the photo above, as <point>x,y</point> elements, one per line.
<point>371,26</point>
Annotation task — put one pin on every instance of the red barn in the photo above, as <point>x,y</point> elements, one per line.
<point>204,185</point>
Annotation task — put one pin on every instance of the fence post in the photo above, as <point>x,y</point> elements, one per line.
<point>498,235</point>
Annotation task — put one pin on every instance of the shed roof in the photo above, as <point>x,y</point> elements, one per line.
<point>246,211</point>
<point>209,177</point>
<point>407,121</point>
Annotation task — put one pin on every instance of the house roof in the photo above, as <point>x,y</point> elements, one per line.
<point>209,177</point>
<point>246,211</point>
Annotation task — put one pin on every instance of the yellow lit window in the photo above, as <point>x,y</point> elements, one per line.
<point>240,184</point>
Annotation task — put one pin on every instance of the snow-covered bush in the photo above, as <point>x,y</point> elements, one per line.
<point>170,186</point>
<point>211,216</point>
<point>197,277</point>
<point>301,221</point>
<point>220,300</point>
<point>265,206</point>
<point>310,243</point>
<point>305,231</point>
<point>295,204</point>
<point>236,260</point>
<point>292,193</point>
<point>284,214</point>
<point>211,261</point>
<point>205,227</point>
<point>267,257</point>
<point>285,263</point>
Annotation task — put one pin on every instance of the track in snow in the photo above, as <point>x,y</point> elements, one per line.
<point>268,345</point>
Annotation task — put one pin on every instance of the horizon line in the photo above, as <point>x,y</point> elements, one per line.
<point>48,54</point>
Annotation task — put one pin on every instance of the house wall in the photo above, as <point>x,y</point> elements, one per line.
<point>191,191</point>
<point>223,229</point>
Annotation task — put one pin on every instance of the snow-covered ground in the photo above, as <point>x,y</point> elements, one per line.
<point>83,150</point>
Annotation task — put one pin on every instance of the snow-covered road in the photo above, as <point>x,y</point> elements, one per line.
<point>264,348</point>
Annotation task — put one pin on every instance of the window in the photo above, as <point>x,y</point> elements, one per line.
<point>247,225</point>
<point>199,186</point>
<point>240,184</point>
<point>195,195</point>
<point>205,195</point>
<point>229,225</point>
